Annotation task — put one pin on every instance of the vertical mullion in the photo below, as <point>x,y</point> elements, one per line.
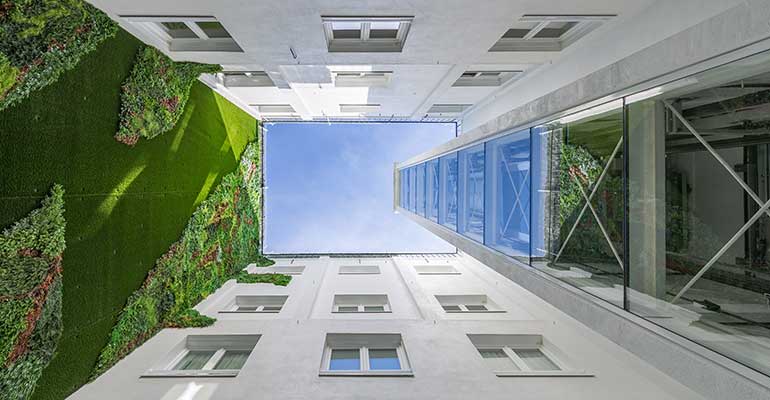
<point>212,362</point>
<point>516,359</point>
<point>626,256</point>
<point>532,191</point>
<point>364,355</point>
<point>196,29</point>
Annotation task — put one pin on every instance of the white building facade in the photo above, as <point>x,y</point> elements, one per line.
<point>402,327</point>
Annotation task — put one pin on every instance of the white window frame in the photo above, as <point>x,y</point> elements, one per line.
<point>152,25</point>
<point>261,303</point>
<point>448,270</point>
<point>362,78</point>
<point>364,270</point>
<point>482,78</point>
<point>463,301</point>
<point>361,303</point>
<point>365,44</point>
<point>246,79</point>
<point>363,357</point>
<point>548,350</point>
<point>448,109</point>
<point>285,269</point>
<point>166,368</point>
<point>584,25</point>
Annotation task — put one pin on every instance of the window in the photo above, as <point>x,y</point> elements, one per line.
<point>432,189</point>
<point>439,110</point>
<point>436,270</point>
<point>275,110</point>
<point>412,189</point>
<point>362,79</point>
<point>507,209</point>
<point>181,33</point>
<point>547,32</point>
<point>471,193</point>
<point>364,355</point>
<point>522,355</point>
<point>256,304</point>
<point>361,303</point>
<point>359,108</point>
<point>287,270</point>
<point>366,34</point>
<point>359,270</point>
<point>448,184</point>
<point>467,304</point>
<point>420,182</point>
<point>484,78</point>
<point>247,79</point>
<point>206,355</point>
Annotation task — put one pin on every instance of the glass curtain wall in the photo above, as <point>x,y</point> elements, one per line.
<point>420,182</point>
<point>432,191</point>
<point>658,203</point>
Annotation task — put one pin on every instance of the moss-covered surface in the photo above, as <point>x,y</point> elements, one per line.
<point>124,206</point>
<point>30,295</point>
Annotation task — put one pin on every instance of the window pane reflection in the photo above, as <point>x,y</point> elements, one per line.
<point>432,190</point>
<point>448,169</point>
<point>471,190</point>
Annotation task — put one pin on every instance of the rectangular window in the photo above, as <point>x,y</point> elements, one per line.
<point>286,269</point>
<point>362,78</point>
<point>247,79</point>
<point>359,108</point>
<point>359,270</point>
<point>183,33</point>
<point>548,32</point>
<point>256,304</point>
<point>471,193</point>
<point>366,354</point>
<point>522,355</point>
<point>467,304</point>
<point>206,355</point>
<point>366,34</point>
<point>436,270</point>
<point>484,78</point>
<point>447,110</point>
<point>448,195</point>
<point>508,194</point>
<point>432,191</point>
<point>361,303</point>
<point>420,182</point>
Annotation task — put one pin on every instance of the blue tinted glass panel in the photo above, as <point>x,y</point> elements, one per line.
<point>420,208</point>
<point>432,191</point>
<point>507,197</point>
<point>401,190</point>
<point>345,360</point>
<point>412,189</point>
<point>471,191</point>
<point>383,359</point>
<point>448,177</point>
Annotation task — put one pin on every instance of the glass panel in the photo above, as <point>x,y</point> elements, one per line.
<point>477,307</point>
<point>383,359</point>
<point>584,240</point>
<point>539,193</point>
<point>346,30</point>
<point>412,189</point>
<point>420,182</point>
<point>555,30</point>
<point>433,190</point>
<point>536,360</point>
<point>451,307</point>
<point>194,359</point>
<point>232,359</point>
<point>471,190</point>
<point>498,360</point>
<point>507,196</point>
<point>698,260</point>
<point>214,29</point>
<point>178,30</point>
<point>347,308</point>
<point>448,170</point>
<point>345,360</point>
<point>383,34</point>
<point>271,308</point>
<point>247,308</point>
<point>374,308</point>
<point>385,25</point>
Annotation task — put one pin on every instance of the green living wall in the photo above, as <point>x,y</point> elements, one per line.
<point>125,206</point>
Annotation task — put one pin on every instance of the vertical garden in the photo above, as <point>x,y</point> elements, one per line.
<point>143,182</point>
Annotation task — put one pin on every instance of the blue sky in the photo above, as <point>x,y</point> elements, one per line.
<point>330,187</point>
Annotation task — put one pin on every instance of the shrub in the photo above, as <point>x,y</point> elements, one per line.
<point>218,242</point>
<point>41,39</point>
<point>154,95</point>
<point>30,295</point>
<point>275,279</point>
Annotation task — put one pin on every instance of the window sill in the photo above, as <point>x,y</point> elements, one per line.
<point>406,373</point>
<point>219,373</point>
<point>564,374</point>
<point>247,312</point>
<point>476,312</point>
<point>361,312</point>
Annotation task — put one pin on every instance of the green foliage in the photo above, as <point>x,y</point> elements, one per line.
<point>155,93</point>
<point>275,279</point>
<point>214,248</point>
<point>40,39</point>
<point>30,295</point>
<point>580,169</point>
